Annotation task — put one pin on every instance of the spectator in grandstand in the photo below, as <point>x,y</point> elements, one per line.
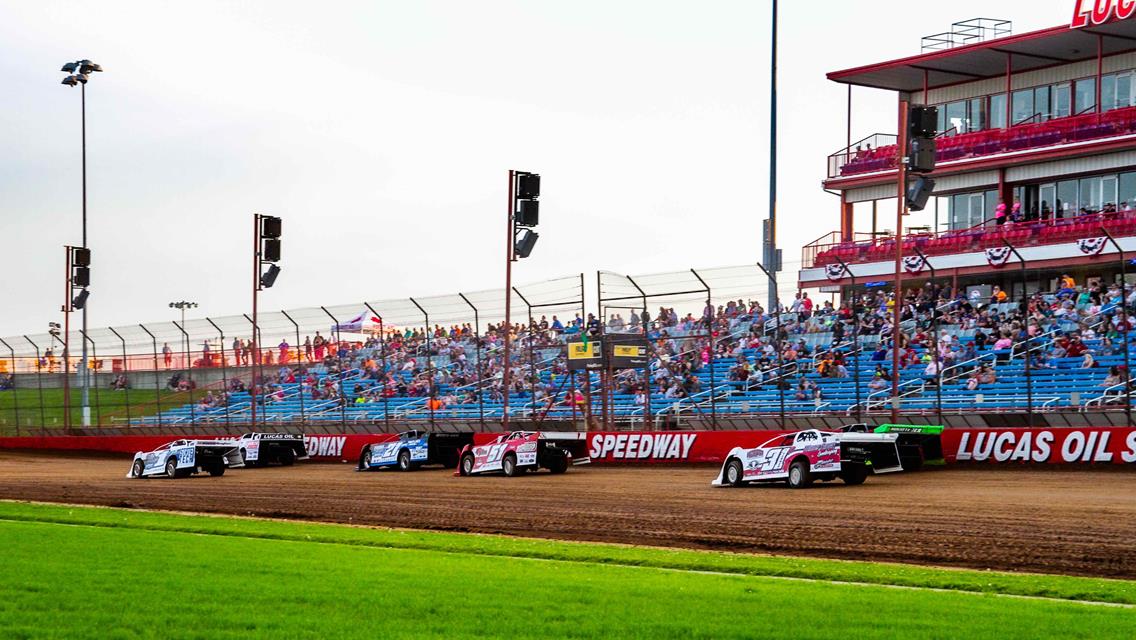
<point>7,381</point>
<point>1000,212</point>
<point>1114,377</point>
<point>120,383</point>
<point>878,383</point>
<point>167,354</point>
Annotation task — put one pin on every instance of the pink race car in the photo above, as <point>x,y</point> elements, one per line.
<point>521,451</point>
<point>801,457</point>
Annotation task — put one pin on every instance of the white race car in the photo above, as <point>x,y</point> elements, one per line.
<point>801,457</point>
<point>182,458</point>
<point>259,449</point>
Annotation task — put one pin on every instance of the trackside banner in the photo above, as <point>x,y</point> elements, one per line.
<point>1100,445</point>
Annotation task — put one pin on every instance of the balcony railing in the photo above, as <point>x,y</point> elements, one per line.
<point>830,250</point>
<point>863,158</point>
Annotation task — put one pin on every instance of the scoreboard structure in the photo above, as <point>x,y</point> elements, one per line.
<point>614,351</point>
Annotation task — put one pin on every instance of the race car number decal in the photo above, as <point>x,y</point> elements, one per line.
<point>495,453</point>
<point>771,462</point>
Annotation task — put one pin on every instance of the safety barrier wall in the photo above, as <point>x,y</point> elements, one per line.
<point>1098,445</point>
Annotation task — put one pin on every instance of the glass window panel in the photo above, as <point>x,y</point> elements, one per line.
<point>977,211</point>
<point>1086,96</point>
<point>1108,93</point>
<point>941,122</point>
<point>1123,90</point>
<point>1067,198</point>
<point>1061,105</point>
<point>998,111</point>
<point>1022,108</point>
<point>1108,190</point>
<point>1047,195</point>
<point>1127,193</point>
<point>1090,200</point>
<point>959,212</point>
<point>956,116</point>
<point>1041,102</point>
<point>991,202</point>
<point>978,114</point>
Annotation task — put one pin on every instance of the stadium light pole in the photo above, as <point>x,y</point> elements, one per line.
<point>935,339</point>
<point>79,73</point>
<point>900,210</point>
<point>182,305</point>
<point>771,256</point>
<point>509,258</point>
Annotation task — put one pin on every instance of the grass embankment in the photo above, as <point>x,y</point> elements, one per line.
<point>89,572</point>
<point>108,408</point>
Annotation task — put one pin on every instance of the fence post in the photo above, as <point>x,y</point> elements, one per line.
<point>777,345</point>
<point>534,376</point>
<point>303,417</point>
<point>856,339</point>
<point>383,364</point>
<point>89,363</point>
<point>1025,314</point>
<point>15,395</point>
<point>125,372</point>
<point>429,364</point>
<point>710,333</point>
<point>39,382</point>
<point>342,391</point>
<point>224,375</point>
<point>253,354</point>
<point>188,375</point>
<point>480,372</point>
<point>157,377</point>
<point>647,417</point>
<point>1126,329</point>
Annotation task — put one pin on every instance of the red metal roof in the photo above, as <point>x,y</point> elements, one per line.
<point>1027,51</point>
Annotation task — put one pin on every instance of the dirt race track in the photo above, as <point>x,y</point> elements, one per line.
<point>1043,520</point>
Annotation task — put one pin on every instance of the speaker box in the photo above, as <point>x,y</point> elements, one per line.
<point>922,122</point>
<point>271,250</point>
<point>918,192</point>
<point>269,227</point>
<point>528,186</point>
<point>528,213</point>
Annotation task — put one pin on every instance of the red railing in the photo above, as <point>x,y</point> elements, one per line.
<point>984,236</point>
<point>1080,128</point>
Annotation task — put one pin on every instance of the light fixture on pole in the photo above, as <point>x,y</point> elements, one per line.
<point>79,73</point>
<point>524,212</point>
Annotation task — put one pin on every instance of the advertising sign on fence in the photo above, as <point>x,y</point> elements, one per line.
<point>1098,445</point>
<point>1088,445</point>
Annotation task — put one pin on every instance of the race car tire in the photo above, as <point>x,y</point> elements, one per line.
<point>364,455</point>
<point>735,475</point>
<point>217,470</point>
<point>854,474</point>
<point>404,460</point>
<point>137,469</point>
<point>171,467</point>
<point>799,476</point>
<point>287,457</point>
<point>467,465</point>
<point>558,464</point>
<point>509,465</point>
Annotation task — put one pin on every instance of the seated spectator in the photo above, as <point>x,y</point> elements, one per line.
<point>878,383</point>
<point>7,381</point>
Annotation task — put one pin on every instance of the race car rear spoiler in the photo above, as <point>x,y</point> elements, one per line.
<point>574,442</point>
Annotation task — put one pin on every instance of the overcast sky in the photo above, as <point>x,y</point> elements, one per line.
<point>381,132</point>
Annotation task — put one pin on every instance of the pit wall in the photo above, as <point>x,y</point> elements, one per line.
<point>1094,445</point>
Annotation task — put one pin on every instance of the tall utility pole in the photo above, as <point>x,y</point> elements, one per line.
<point>80,73</point>
<point>772,259</point>
<point>897,309</point>
<point>523,212</point>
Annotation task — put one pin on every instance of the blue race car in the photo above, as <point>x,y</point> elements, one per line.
<point>412,449</point>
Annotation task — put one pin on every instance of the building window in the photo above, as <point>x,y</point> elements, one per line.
<point>977,114</point>
<point>1022,108</point>
<point>1041,103</point>
<point>1061,106</point>
<point>1067,198</point>
<point>998,111</point>
<point>1086,96</point>
<point>956,117</point>
<point>1127,193</point>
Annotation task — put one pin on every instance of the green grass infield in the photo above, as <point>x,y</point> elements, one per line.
<point>112,573</point>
